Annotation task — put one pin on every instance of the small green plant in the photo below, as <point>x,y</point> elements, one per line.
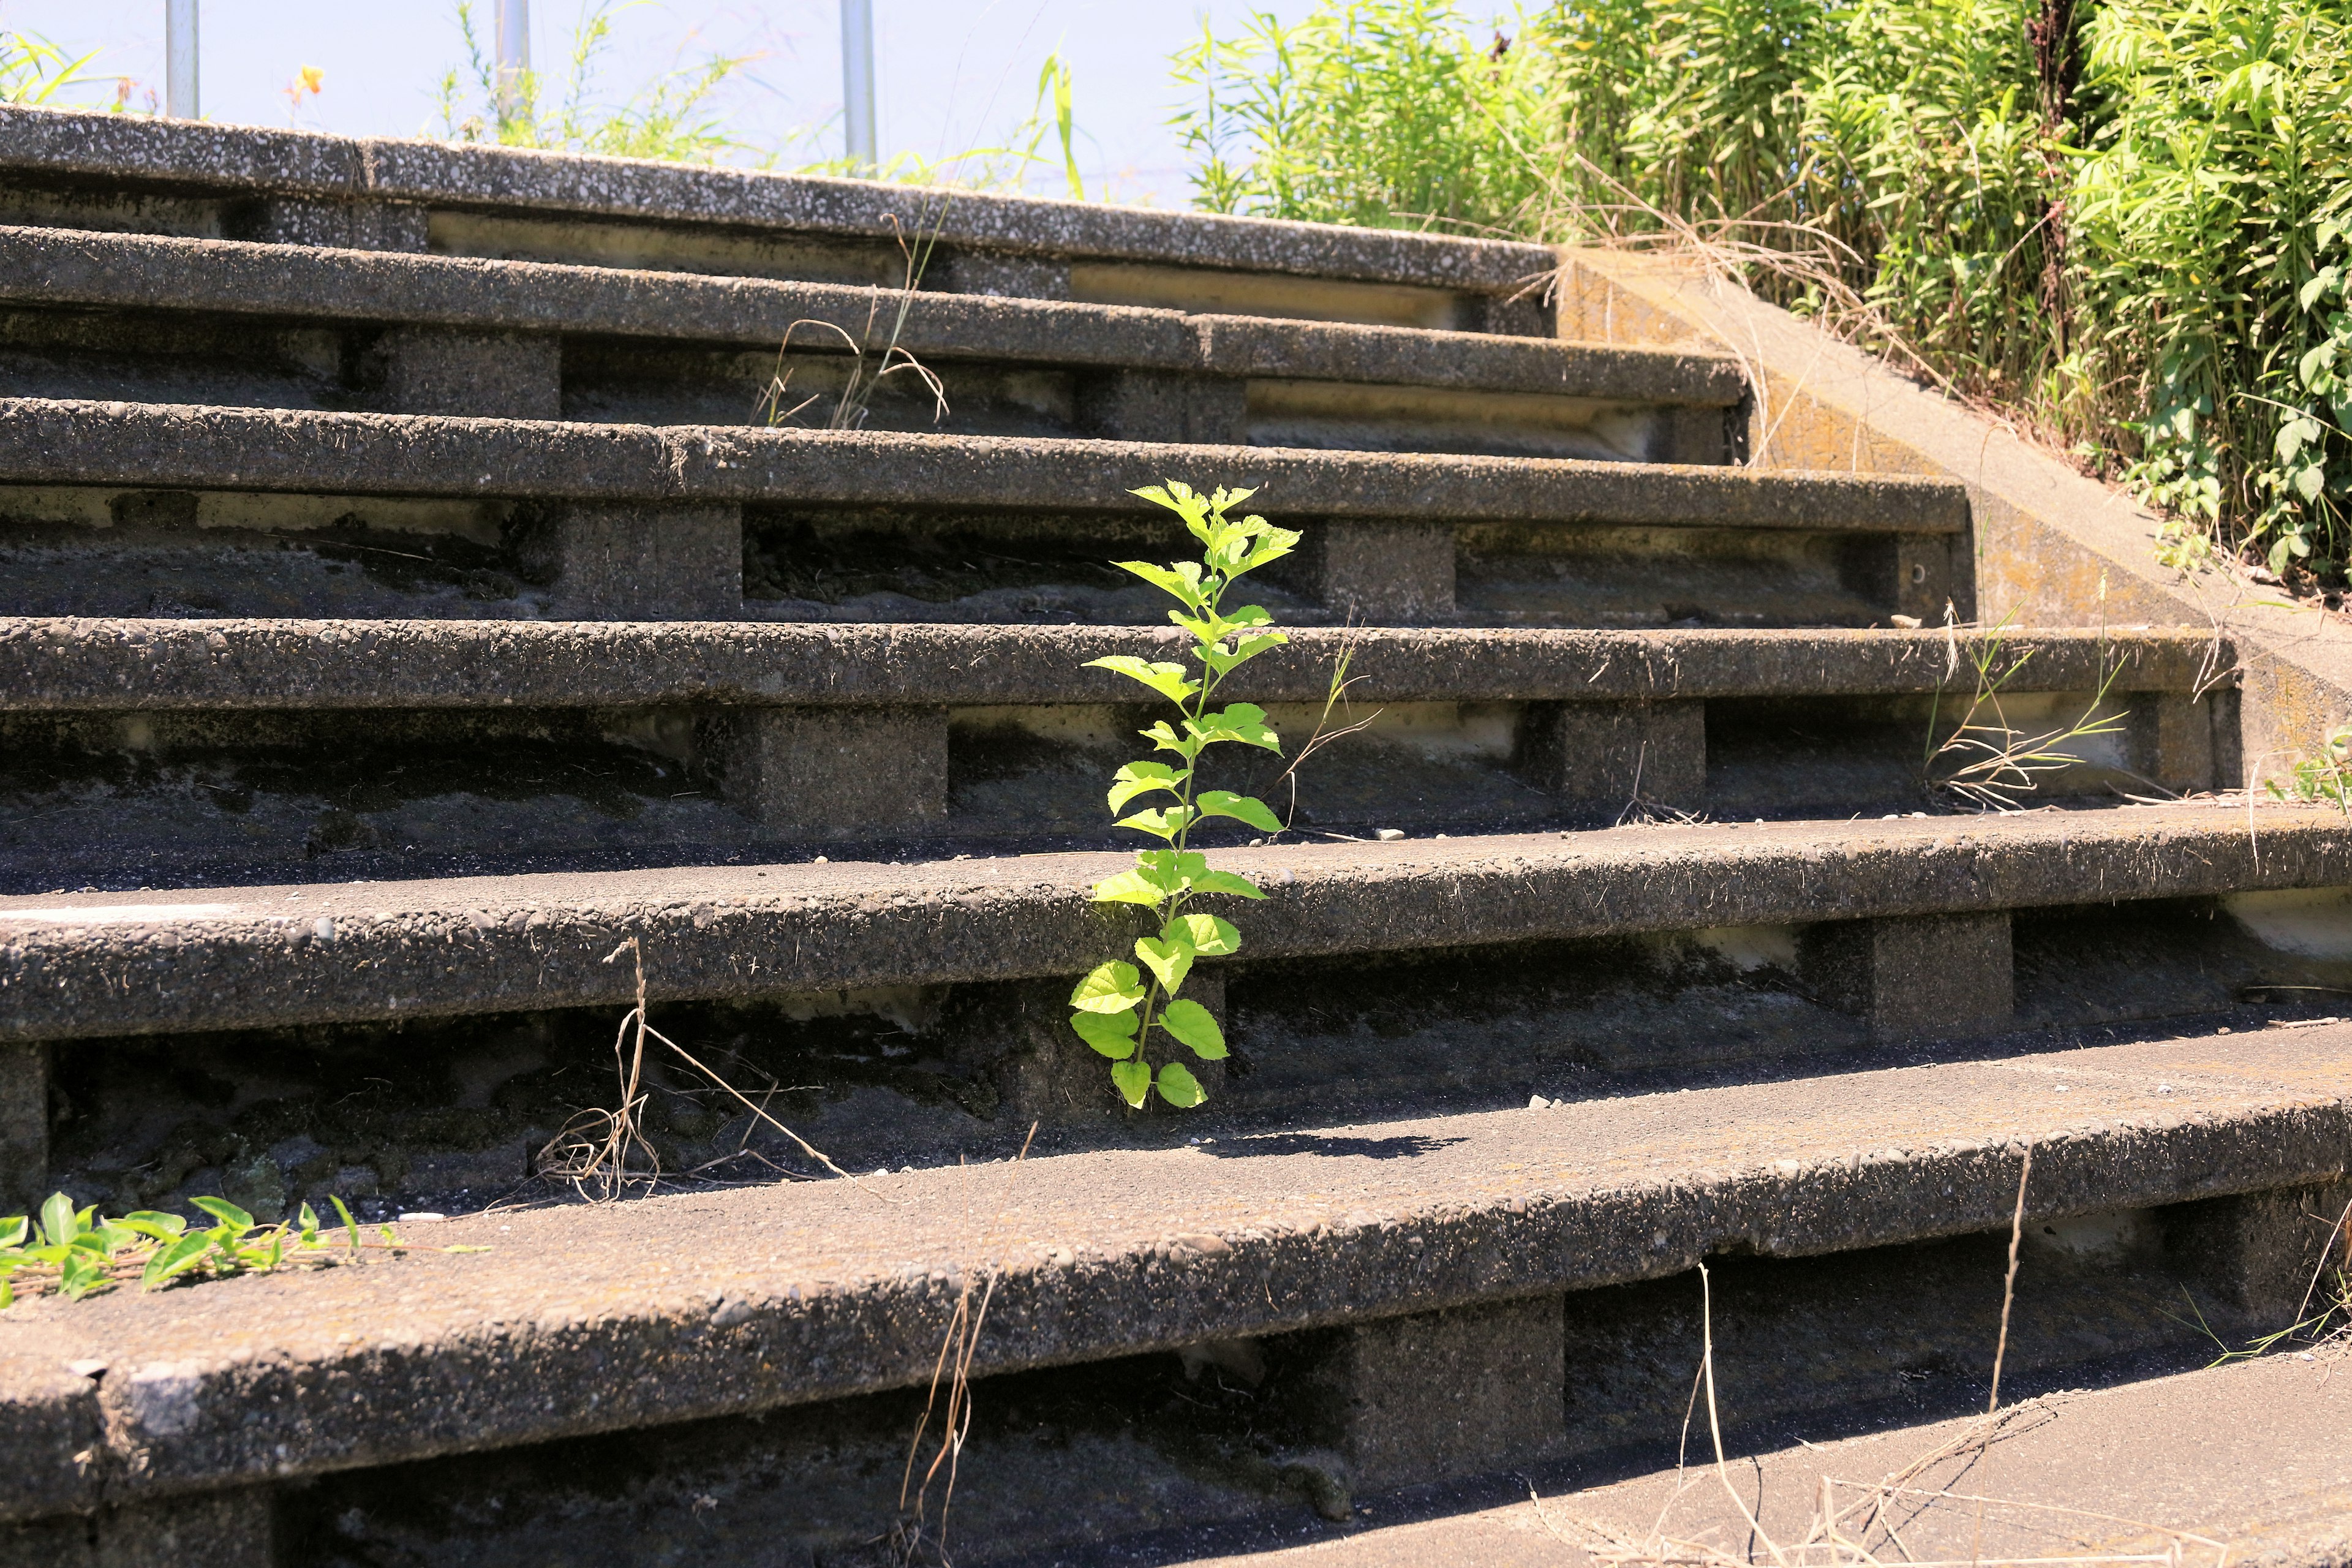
<point>76,1253</point>
<point>1114,1008</point>
<point>1987,763</point>
<point>2326,775</point>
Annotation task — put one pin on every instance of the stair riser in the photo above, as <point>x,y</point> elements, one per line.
<point>170,798</point>
<point>453,1114</point>
<point>179,553</point>
<point>157,358</point>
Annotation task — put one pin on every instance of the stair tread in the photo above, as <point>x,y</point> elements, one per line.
<point>2248,1456</point>
<point>255,956</point>
<point>313,163</point>
<point>64,663</point>
<point>66,441</point>
<point>699,1304</point>
<point>52,266</point>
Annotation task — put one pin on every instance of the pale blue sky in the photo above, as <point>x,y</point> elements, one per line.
<point>954,74</point>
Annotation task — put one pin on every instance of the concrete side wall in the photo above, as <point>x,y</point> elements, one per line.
<point>2053,547</point>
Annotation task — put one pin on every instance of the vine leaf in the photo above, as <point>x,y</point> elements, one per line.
<point>1168,680</point>
<point>1241,807</point>
<point>1132,1077</point>
<point>1169,959</point>
<point>1112,1034</point>
<point>1197,1028</point>
<point>1208,936</point>
<point>1143,778</point>
<point>1111,988</point>
<point>1178,1086</point>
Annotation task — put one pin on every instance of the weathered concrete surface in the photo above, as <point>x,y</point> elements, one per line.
<point>2265,1254</point>
<point>1613,755</point>
<point>1918,975</point>
<point>23,1125</point>
<point>230,958</point>
<point>834,773</point>
<point>585,1320</point>
<point>1382,573</point>
<point>638,561</point>
<point>58,442</point>
<point>242,160</point>
<point>69,665</point>
<point>2248,1457</point>
<point>147,272</point>
<point>502,375</point>
<point>2052,546</point>
<point>214,1530</point>
<point>1441,1395</point>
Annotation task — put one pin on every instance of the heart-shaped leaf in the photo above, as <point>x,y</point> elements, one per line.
<point>1170,960</point>
<point>1179,1088</point>
<point>1112,1034</point>
<point>1241,807</point>
<point>1209,936</point>
<point>1132,1078</point>
<point>1112,987</point>
<point>1197,1028</point>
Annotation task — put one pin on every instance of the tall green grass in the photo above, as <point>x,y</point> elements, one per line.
<point>2129,225</point>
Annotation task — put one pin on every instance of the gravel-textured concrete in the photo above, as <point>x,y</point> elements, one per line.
<point>233,958</point>
<point>64,266</point>
<point>60,442</point>
<point>2247,1461</point>
<point>66,664</point>
<point>246,161</point>
<point>583,1320</point>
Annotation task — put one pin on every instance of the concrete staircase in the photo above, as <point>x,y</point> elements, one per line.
<point>404,603</point>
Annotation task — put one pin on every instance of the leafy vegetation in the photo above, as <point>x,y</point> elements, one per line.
<point>76,1253</point>
<point>2126,226</point>
<point>1114,1008</point>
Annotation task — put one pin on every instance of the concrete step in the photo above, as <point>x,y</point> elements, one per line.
<point>2224,1464</point>
<point>151,752</point>
<point>129,509</point>
<point>1368,1306</point>
<point>154,318</point>
<point>177,177</point>
<point>905,1014</point>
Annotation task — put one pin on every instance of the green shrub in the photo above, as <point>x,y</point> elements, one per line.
<point>2122,224</point>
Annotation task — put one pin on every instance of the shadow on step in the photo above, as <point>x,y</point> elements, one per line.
<point>449,1114</point>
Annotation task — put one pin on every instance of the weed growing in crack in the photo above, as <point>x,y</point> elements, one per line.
<point>1114,1009</point>
<point>75,1252</point>
<point>2321,777</point>
<point>1986,763</point>
<point>855,399</point>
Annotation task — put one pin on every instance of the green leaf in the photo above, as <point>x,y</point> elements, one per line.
<point>13,1229</point>
<point>82,1274</point>
<point>1139,886</point>
<point>1166,739</point>
<point>160,1227</point>
<point>1112,987</point>
<point>308,1222</point>
<point>1244,721</point>
<point>1219,659</point>
<point>1112,1034</point>
<point>1161,822</point>
<point>350,1226</point>
<point>1197,1028</point>
<point>1132,1078</point>
<point>1170,680</point>
<point>227,1213</point>
<point>1209,937</point>
<point>1240,807</point>
<point>57,1220</point>
<point>1178,1086</point>
<point>1170,961</point>
<point>1181,581</point>
<point>1143,778</point>
<point>175,1259</point>
<point>1225,882</point>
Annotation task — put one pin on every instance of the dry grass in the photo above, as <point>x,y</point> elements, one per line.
<point>603,1153</point>
<point>1859,1523</point>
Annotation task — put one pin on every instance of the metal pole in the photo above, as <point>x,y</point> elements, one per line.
<point>514,56</point>
<point>180,59</point>
<point>858,84</point>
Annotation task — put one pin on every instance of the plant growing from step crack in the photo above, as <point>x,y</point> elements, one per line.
<point>1116,1009</point>
<point>76,1253</point>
